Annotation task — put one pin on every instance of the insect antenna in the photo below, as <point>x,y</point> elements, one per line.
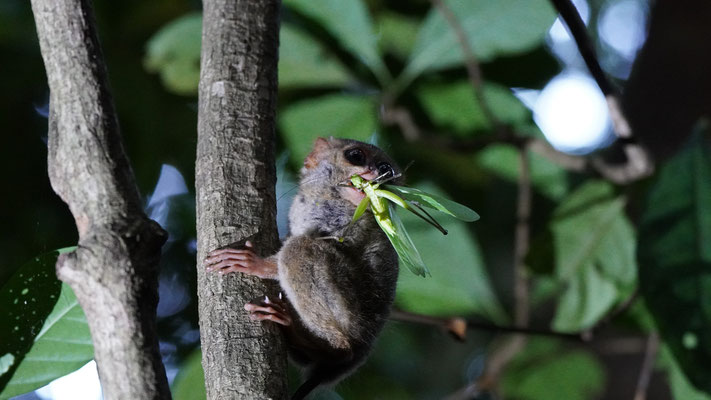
<point>430,219</point>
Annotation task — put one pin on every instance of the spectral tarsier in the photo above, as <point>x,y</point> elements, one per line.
<point>339,278</point>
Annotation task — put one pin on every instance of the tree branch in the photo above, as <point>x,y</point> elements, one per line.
<point>453,324</point>
<point>470,61</point>
<point>235,179</point>
<point>639,162</point>
<point>645,373</point>
<point>114,270</point>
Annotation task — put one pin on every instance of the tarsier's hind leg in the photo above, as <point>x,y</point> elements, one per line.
<point>309,274</point>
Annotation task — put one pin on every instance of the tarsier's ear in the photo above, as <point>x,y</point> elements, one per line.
<point>314,157</point>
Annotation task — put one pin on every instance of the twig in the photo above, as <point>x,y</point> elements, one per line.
<point>521,241</point>
<point>576,27</point>
<point>447,323</point>
<point>470,61</point>
<point>639,162</point>
<point>645,373</point>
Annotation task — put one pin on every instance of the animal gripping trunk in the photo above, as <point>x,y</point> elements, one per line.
<point>235,178</point>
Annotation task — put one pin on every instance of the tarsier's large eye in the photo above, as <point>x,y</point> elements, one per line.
<point>385,169</point>
<point>355,156</point>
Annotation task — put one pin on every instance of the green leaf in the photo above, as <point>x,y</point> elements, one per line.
<point>63,345</point>
<point>576,373</point>
<point>397,33</point>
<point>337,115</point>
<point>594,255</point>
<point>680,386</point>
<point>435,202</point>
<point>459,284</point>
<point>174,53</point>
<point>26,299</point>
<point>304,62</point>
<point>189,384</point>
<point>547,178</point>
<point>675,256</point>
<point>444,103</point>
<point>350,23</point>
<point>493,28</point>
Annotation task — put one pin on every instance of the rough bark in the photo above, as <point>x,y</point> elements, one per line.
<point>235,178</point>
<point>114,270</point>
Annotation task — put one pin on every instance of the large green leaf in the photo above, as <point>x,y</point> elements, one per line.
<point>62,346</point>
<point>459,284</point>
<point>304,62</point>
<point>26,300</point>
<point>576,374</point>
<point>675,257</point>
<point>453,107</point>
<point>174,53</point>
<point>333,115</point>
<point>493,27</point>
<point>594,255</point>
<point>44,333</point>
<point>397,33</point>
<point>350,23</point>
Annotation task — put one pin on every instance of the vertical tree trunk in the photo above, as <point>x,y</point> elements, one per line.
<point>235,178</point>
<point>114,270</point>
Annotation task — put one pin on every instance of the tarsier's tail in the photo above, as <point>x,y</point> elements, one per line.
<point>322,374</point>
<point>305,388</point>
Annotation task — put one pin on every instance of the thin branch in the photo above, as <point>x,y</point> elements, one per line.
<point>569,14</point>
<point>521,241</point>
<point>470,61</point>
<point>454,326</point>
<point>639,161</point>
<point>449,323</point>
<point>645,373</point>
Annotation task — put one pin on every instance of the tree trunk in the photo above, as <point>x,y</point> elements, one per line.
<point>235,179</point>
<point>114,271</point>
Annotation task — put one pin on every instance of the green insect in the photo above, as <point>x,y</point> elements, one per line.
<point>383,203</point>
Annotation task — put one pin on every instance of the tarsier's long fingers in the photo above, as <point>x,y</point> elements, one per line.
<point>268,310</point>
<point>240,260</point>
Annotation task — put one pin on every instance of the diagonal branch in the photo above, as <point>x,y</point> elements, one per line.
<point>639,162</point>
<point>471,62</point>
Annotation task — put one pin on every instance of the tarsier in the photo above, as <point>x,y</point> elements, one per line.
<point>338,276</point>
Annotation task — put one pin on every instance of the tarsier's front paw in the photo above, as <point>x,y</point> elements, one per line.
<point>269,309</point>
<point>228,260</point>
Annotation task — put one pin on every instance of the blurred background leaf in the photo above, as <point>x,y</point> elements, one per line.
<point>459,284</point>
<point>337,115</point>
<point>575,373</point>
<point>675,256</point>
<point>174,52</point>
<point>492,27</point>
<point>594,255</point>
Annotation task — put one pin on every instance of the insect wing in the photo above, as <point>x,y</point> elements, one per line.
<point>405,248</point>
<point>435,202</point>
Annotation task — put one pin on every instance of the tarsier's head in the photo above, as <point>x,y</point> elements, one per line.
<point>333,161</point>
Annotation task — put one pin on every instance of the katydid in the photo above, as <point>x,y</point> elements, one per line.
<point>383,203</point>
